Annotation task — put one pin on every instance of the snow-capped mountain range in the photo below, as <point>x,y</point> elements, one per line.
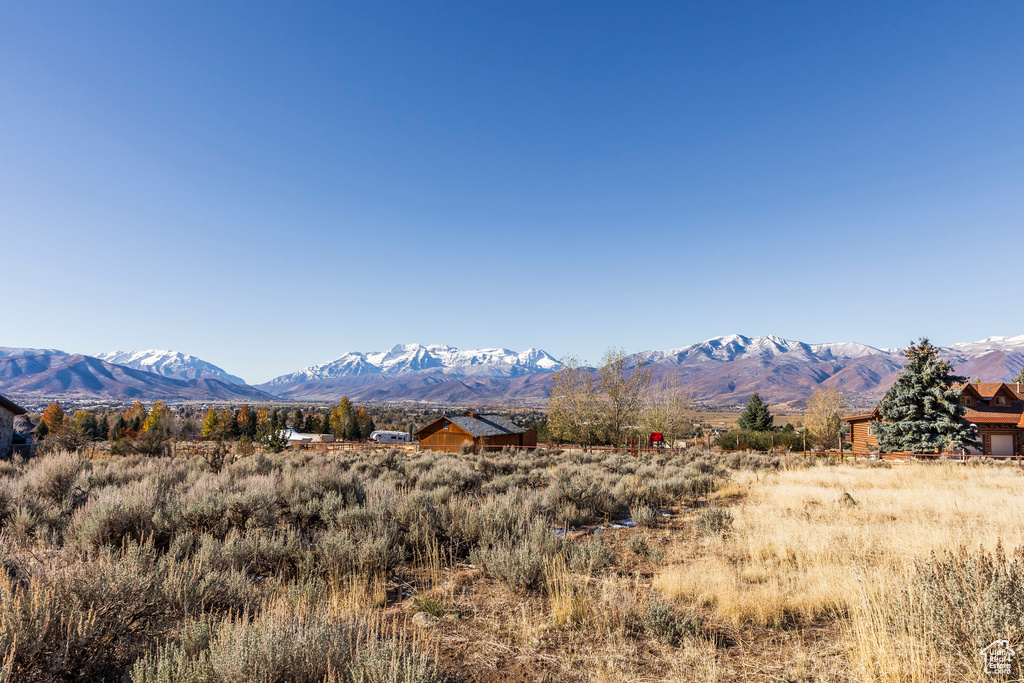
<point>721,369</point>
<point>169,364</point>
<point>405,359</point>
<point>736,346</point>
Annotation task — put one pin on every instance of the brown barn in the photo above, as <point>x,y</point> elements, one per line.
<point>484,432</point>
<point>996,408</point>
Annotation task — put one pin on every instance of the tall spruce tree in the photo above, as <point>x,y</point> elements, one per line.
<point>756,417</point>
<point>921,413</point>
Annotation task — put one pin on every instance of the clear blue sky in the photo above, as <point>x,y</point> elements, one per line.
<point>268,186</point>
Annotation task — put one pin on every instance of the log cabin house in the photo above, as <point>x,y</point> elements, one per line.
<point>996,408</point>
<point>481,432</point>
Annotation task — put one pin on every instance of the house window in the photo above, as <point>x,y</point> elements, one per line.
<point>965,400</point>
<point>1000,400</point>
<point>871,430</point>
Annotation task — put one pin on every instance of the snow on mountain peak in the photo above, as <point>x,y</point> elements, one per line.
<point>170,364</point>
<point>404,359</point>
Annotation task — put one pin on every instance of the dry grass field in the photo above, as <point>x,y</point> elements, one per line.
<point>431,567</point>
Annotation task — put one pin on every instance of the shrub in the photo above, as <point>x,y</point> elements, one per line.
<point>645,516</point>
<point>663,621</point>
<point>972,597</point>
<point>713,520</point>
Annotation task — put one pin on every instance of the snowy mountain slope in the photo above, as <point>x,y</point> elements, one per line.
<point>6,351</point>
<point>407,359</point>
<point>723,369</point>
<point>170,364</point>
<point>80,377</point>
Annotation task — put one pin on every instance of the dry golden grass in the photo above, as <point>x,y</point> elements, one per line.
<point>797,554</point>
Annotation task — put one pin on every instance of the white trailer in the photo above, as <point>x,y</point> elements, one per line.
<point>384,436</point>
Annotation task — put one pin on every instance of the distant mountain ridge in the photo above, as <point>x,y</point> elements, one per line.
<point>719,370</point>
<point>86,377</point>
<point>723,370</point>
<point>170,364</point>
<point>405,359</point>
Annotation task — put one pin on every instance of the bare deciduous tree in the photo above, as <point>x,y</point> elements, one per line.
<point>667,408</point>
<point>824,416</point>
<point>622,392</point>
<point>572,405</point>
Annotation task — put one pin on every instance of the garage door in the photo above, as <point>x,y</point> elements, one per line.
<point>1002,445</point>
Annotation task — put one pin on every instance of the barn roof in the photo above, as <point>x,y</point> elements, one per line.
<point>486,425</point>
<point>11,407</point>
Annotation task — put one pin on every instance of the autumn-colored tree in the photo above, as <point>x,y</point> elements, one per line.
<point>824,417</point>
<point>159,419</point>
<point>246,422</point>
<point>210,421</point>
<point>227,425</point>
<point>54,416</point>
<point>137,411</point>
<point>340,418</point>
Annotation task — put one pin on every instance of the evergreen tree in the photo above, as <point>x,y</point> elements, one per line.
<point>1019,379</point>
<point>135,425</point>
<point>921,413</point>
<point>756,417</point>
<point>297,420</point>
<point>366,425</point>
<point>351,432</point>
<point>103,430</point>
<point>120,427</point>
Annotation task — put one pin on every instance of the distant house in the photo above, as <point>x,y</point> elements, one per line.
<point>8,411</point>
<point>996,408</point>
<point>480,431</point>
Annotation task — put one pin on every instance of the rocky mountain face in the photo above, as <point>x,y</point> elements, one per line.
<point>417,369</point>
<point>719,370</point>
<point>722,370</point>
<point>87,377</point>
<point>170,364</point>
<point>6,351</point>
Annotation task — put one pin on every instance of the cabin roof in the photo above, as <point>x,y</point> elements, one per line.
<point>873,415</point>
<point>486,425</point>
<point>11,406</point>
